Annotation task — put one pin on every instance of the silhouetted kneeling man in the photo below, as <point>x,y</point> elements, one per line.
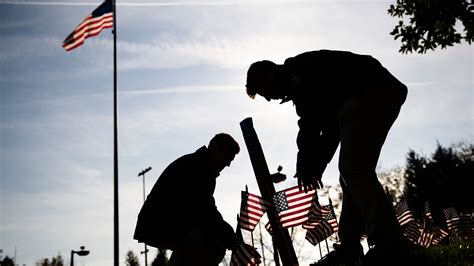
<point>180,213</point>
<point>345,98</point>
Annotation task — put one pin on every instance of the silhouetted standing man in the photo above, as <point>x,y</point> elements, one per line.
<point>345,98</point>
<point>180,212</point>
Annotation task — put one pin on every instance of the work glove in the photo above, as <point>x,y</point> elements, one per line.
<point>307,182</point>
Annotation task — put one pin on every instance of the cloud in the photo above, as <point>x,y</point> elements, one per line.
<point>440,107</point>
<point>172,3</point>
<point>215,51</point>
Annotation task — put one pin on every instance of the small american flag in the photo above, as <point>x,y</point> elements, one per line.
<point>403,212</point>
<point>324,229</point>
<point>467,223</point>
<point>293,206</point>
<point>316,213</point>
<point>439,234</point>
<point>251,210</point>
<point>268,226</point>
<point>428,214</point>
<point>452,219</point>
<point>241,256</point>
<point>101,18</point>
<point>412,231</point>
<point>316,216</point>
<point>426,237</point>
<point>461,226</point>
<point>430,229</point>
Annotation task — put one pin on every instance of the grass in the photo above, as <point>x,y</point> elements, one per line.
<point>458,253</point>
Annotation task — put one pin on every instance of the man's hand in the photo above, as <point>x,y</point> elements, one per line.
<point>253,253</point>
<point>309,183</point>
<point>247,250</point>
<point>236,242</point>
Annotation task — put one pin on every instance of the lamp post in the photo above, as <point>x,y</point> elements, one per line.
<point>142,173</point>
<point>81,252</point>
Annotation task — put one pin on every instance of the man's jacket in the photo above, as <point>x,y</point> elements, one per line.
<point>318,82</point>
<point>182,200</point>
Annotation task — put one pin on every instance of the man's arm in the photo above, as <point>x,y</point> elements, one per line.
<point>317,142</point>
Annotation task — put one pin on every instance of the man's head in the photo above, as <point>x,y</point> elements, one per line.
<point>223,149</point>
<point>261,80</point>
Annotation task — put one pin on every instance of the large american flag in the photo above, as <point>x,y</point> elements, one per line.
<point>293,206</point>
<point>323,229</point>
<point>93,24</point>
<point>251,210</point>
<point>403,212</point>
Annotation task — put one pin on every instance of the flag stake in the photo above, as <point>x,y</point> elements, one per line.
<point>320,252</point>
<point>261,242</point>
<point>327,246</point>
<point>281,237</point>
<point>251,232</point>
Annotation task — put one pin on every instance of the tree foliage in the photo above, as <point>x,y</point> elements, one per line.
<point>427,24</point>
<point>131,259</point>
<point>443,180</point>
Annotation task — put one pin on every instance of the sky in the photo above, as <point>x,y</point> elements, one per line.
<point>181,77</point>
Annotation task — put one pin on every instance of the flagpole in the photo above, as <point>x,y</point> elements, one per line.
<point>116,200</point>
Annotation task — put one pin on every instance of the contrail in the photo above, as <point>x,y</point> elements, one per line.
<point>122,4</point>
<point>185,89</point>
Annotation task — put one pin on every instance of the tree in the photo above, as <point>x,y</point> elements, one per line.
<point>55,261</point>
<point>432,23</point>
<point>131,259</point>
<point>393,182</point>
<point>442,180</point>
<point>7,261</point>
<point>161,259</point>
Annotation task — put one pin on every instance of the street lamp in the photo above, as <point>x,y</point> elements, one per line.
<point>142,173</point>
<point>81,252</point>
